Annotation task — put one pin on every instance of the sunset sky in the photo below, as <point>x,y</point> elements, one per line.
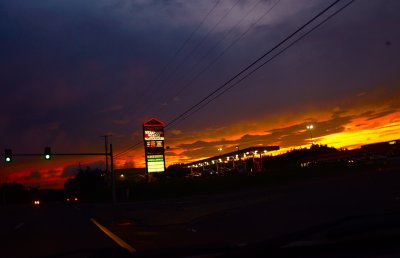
<point>73,70</point>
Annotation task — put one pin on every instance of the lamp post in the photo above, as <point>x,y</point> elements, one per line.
<point>237,152</point>
<point>219,160</point>
<point>310,127</point>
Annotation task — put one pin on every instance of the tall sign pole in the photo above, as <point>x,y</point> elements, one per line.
<point>153,137</point>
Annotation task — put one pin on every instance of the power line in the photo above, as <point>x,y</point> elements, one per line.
<point>152,84</point>
<point>252,64</point>
<point>168,64</point>
<point>202,40</point>
<point>128,149</point>
<point>200,104</point>
<point>223,17</point>
<point>233,43</point>
<point>267,61</point>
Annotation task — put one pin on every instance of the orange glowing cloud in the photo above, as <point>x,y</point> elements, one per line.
<point>353,121</point>
<point>349,129</point>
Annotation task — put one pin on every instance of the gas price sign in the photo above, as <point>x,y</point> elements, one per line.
<point>153,136</point>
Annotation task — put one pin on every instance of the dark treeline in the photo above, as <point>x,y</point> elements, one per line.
<point>294,158</point>
<point>89,184</point>
<point>11,193</point>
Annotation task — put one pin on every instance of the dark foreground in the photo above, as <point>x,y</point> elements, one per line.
<point>347,215</point>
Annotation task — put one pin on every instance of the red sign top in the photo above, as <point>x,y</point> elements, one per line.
<point>153,122</point>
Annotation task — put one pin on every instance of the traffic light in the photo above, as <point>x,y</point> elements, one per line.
<point>47,153</point>
<point>7,155</point>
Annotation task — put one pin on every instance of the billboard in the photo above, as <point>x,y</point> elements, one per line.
<point>153,136</point>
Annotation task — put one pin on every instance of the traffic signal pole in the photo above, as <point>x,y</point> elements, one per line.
<point>59,154</point>
<point>8,153</point>
<point>112,173</point>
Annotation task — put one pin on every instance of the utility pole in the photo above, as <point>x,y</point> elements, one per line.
<point>112,173</point>
<point>106,149</point>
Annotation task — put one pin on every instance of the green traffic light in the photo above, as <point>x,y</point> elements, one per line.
<point>7,155</point>
<point>47,153</point>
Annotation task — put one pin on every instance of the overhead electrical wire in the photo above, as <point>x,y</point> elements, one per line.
<point>226,49</point>
<point>198,45</point>
<point>177,52</point>
<point>267,61</point>
<point>119,154</point>
<point>186,58</point>
<point>287,38</point>
<point>220,90</point>
<point>170,62</point>
<point>201,42</point>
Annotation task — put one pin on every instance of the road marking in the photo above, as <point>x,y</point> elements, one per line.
<point>114,237</point>
<point>19,226</point>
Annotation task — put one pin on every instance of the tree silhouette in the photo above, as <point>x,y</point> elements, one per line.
<point>88,184</point>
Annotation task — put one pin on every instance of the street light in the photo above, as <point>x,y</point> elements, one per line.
<point>237,151</point>
<point>310,127</point>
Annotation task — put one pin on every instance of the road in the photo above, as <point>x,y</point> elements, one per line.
<point>52,230</point>
<point>194,224</point>
<point>252,216</point>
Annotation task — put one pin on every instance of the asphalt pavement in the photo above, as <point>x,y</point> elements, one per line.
<point>191,225</point>
<point>52,230</point>
<point>254,216</point>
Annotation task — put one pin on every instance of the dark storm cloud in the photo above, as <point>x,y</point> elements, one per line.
<point>84,61</point>
<point>65,68</point>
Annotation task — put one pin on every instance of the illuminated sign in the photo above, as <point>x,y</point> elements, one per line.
<point>155,163</point>
<point>154,144</point>
<point>153,135</point>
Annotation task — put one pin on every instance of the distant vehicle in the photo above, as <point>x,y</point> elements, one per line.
<point>36,202</point>
<point>71,199</point>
